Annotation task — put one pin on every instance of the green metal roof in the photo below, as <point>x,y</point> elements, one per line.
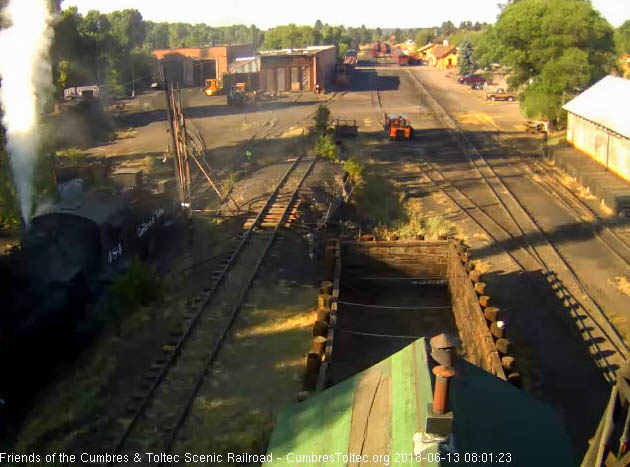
<point>378,411</point>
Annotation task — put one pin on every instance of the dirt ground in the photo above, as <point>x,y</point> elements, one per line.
<point>83,407</point>
<point>261,368</point>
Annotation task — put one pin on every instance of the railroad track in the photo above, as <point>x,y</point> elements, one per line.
<point>551,184</point>
<point>172,382</point>
<point>605,343</point>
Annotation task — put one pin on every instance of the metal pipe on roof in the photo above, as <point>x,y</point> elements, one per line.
<point>440,394</point>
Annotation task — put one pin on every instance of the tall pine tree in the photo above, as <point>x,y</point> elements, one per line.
<point>466,61</point>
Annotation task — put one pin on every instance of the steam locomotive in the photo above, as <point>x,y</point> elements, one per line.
<point>51,287</point>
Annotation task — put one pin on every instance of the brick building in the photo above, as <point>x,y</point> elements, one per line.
<point>298,69</point>
<point>191,66</point>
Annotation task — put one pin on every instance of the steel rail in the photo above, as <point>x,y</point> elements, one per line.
<point>602,322</point>
<point>235,310</point>
<point>187,332</point>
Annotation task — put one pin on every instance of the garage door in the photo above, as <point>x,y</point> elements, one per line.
<point>295,78</point>
<point>270,81</point>
<point>282,79</point>
<point>306,78</point>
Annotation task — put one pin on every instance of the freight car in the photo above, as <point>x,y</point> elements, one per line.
<point>400,57</point>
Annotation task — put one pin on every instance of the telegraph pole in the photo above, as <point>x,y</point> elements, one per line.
<point>173,150</point>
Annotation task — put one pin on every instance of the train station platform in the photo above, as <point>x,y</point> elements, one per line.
<point>602,183</point>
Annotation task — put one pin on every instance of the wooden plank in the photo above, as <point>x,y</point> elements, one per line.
<point>369,433</point>
<point>403,405</point>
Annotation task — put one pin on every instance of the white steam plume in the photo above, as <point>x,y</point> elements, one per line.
<point>26,79</point>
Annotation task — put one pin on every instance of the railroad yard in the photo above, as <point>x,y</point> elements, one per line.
<point>208,366</point>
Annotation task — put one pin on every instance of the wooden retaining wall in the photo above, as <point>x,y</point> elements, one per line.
<point>473,329</point>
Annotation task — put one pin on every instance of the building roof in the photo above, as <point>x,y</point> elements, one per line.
<point>192,52</point>
<point>605,103</point>
<point>310,50</point>
<point>378,412</point>
<point>245,65</point>
<point>442,51</point>
<point>426,47</point>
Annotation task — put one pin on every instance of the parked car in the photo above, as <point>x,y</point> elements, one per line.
<point>472,79</point>
<point>477,86</point>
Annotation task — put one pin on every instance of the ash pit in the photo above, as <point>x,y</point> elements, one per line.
<point>390,294</point>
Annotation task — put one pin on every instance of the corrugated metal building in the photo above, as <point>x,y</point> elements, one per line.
<point>598,124</point>
<point>298,69</point>
<point>191,66</point>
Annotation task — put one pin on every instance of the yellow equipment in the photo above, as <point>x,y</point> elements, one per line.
<point>213,87</point>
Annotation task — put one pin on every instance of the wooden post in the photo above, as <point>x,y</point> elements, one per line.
<point>480,288</point>
<point>323,314</point>
<point>320,328</point>
<point>326,287</point>
<point>313,362</point>
<point>503,346</point>
<point>319,345</point>
<point>491,313</point>
<point>474,276</point>
<point>508,362</point>
<point>497,329</point>
<point>324,301</point>
<point>515,379</point>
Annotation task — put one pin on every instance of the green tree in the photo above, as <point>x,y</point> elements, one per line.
<point>157,36</point>
<point>423,36</point>
<point>177,34</point>
<point>377,34</point>
<point>622,38</point>
<point>127,28</point>
<point>364,35</point>
<point>553,48</point>
<point>466,61</point>
<point>487,48</point>
<point>397,35</point>
<point>447,28</point>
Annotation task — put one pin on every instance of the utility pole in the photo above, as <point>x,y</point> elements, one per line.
<point>173,146</point>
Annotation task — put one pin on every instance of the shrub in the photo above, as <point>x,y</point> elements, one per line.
<point>322,119</point>
<point>135,287</point>
<point>354,169</point>
<point>326,147</point>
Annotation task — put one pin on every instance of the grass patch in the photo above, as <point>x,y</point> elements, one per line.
<point>229,182</point>
<point>378,199</point>
<point>135,287</point>
<point>52,426</point>
<point>126,133</point>
<point>73,154</point>
<point>622,284</point>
